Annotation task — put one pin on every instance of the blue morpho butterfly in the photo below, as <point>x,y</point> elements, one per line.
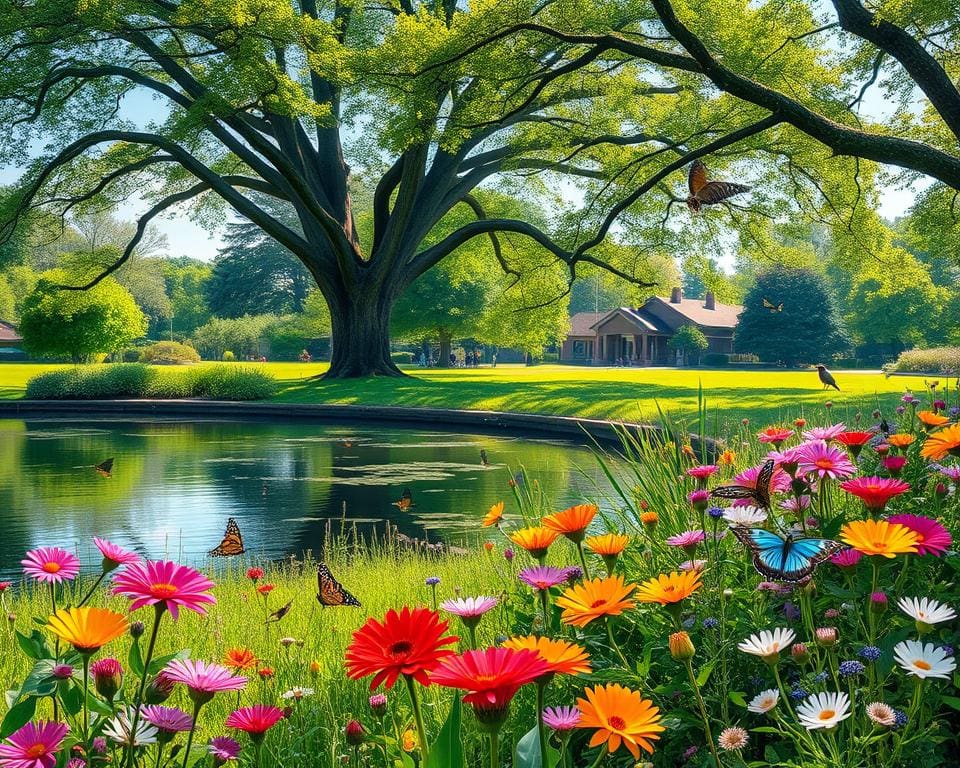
<point>785,559</point>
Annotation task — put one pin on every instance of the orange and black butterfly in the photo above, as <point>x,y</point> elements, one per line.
<point>104,468</point>
<point>703,192</point>
<point>767,304</point>
<point>280,612</point>
<point>232,543</point>
<point>406,501</point>
<point>330,592</point>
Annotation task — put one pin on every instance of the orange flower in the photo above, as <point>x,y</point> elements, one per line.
<point>494,515</point>
<point>572,522</point>
<point>670,588</point>
<point>649,518</point>
<point>608,544</point>
<point>932,419</point>
<point>900,440</point>
<point>621,716</point>
<point>535,539</point>
<point>240,659</point>
<point>589,600</point>
<point>564,658</point>
<point>939,444</point>
<point>726,458</point>
<point>879,537</point>
<point>87,629</point>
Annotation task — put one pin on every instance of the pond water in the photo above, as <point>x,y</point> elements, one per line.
<point>174,483</point>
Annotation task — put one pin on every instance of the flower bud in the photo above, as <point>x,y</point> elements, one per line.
<point>800,653</point>
<point>315,668</point>
<point>681,646</point>
<point>354,733</point>
<point>827,637</point>
<point>878,602</point>
<point>508,555</point>
<point>940,490</point>
<point>378,705</point>
<point>137,629</point>
<point>107,678</point>
<point>159,689</point>
<point>488,545</point>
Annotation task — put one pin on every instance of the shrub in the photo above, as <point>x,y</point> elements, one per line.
<point>228,357</point>
<point>95,383</point>
<point>169,353</point>
<point>402,358</point>
<point>744,357</point>
<point>131,355</point>
<point>51,385</point>
<point>166,384</point>
<point>934,360</point>
<point>715,359</point>
<point>232,382</point>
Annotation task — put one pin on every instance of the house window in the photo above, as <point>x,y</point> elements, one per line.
<point>583,349</point>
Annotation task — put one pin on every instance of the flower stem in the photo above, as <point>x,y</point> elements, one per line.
<point>193,730</point>
<point>613,643</point>
<point>541,729</point>
<point>583,560</point>
<point>703,713</point>
<point>545,607</point>
<point>418,719</point>
<point>494,749</point>
<point>600,756</point>
<point>138,702</point>
<point>92,589</point>
<point>86,687</point>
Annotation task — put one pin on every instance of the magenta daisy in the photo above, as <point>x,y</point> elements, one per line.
<point>543,576</point>
<point>165,584</point>
<point>848,558</point>
<point>35,745</point>
<point>775,435</point>
<point>951,473</point>
<point>469,607</point>
<point>203,680</point>
<point>825,433</point>
<point>687,539</point>
<point>50,565</point>
<point>224,749</point>
<point>796,504</point>
<point>703,471</point>
<point>167,720</point>
<point>561,718</point>
<point>932,537</point>
<point>114,555</point>
<point>255,720</point>
<point>825,461</point>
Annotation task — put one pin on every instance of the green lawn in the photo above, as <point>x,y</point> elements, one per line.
<point>615,393</point>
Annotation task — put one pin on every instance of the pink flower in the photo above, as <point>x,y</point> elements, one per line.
<point>114,555</point>
<point>543,576</point>
<point>469,607</point>
<point>951,473</point>
<point>35,745</point>
<point>687,539</point>
<point>932,537</point>
<point>51,565</point>
<point>167,720</point>
<point>254,574</point>
<point>848,558</point>
<point>255,720</point>
<point>703,471</point>
<point>875,492</point>
<point>203,680</point>
<point>224,749</point>
<point>699,499</point>
<point>894,464</point>
<point>825,461</point>
<point>561,718</point>
<point>165,584</point>
<point>692,565</point>
<point>825,433</point>
<point>796,504</point>
<point>779,483</point>
<point>775,435</point>
<point>4,586</point>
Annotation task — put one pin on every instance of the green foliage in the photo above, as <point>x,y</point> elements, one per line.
<point>169,353</point>
<point>186,280</point>
<point>715,359</point>
<point>100,382</point>
<point>231,382</point>
<point>808,329</point>
<point>79,324</point>
<point>242,335</point>
<point>690,340</point>
<point>936,360</point>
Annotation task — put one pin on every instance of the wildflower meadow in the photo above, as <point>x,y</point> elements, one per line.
<point>782,596</point>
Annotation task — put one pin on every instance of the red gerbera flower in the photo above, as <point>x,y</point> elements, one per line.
<point>492,675</point>
<point>407,643</point>
<point>854,441</point>
<point>875,492</point>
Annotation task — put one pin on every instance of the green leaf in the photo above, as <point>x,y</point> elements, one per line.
<point>737,698</point>
<point>704,674</point>
<point>951,701</point>
<point>72,699</point>
<point>447,750</point>
<point>404,761</point>
<point>528,752</point>
<point>34,645</point>
<point>18,716</point>
<point>161,661</point>
<point>764,729</point>
<point>39,682</point>
<point>135,659</point>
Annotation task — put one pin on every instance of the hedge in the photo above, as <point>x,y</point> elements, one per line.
<point>939,360</point>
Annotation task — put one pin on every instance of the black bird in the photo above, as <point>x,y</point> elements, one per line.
<point>826,378</point>
<point>483,457</point>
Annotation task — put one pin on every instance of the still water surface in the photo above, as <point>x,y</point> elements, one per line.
<point>174,483</point>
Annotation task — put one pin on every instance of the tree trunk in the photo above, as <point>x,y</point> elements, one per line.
<point>445,342</point>
<point>360,336</point>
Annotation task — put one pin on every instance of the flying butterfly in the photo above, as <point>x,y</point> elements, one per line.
<point>330,592</point>
<point>760,494</point>
<point>232,543</point>
<point>406,501</point>
<point>703,192</point>
<point>785,559</point>
<point>104,468</point>
<point>767,304</point>
<point>280,612</point>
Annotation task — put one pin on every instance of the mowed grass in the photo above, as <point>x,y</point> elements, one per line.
<point>629,394</point>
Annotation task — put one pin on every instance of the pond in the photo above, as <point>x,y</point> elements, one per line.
<point>174,483</point>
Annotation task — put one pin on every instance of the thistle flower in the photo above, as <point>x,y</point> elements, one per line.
<point>733,739</point>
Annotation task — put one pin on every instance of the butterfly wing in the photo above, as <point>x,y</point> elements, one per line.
<point>780,307</point>
<point>697,178</point>
<point>785,559</point>
<point>714,192</point>
<point>280,612</point>
<point>767,304</point>
<point>232,543</point>
<point>330,592</point>
<point>104,468</point>
<point>734,492</point>
<point>803,555</point>
<point>764,478</point>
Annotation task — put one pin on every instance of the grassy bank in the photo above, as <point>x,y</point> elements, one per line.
<point>607,393</point>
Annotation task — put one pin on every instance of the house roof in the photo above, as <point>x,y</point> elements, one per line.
<point>8,332</point>
<point>724,316</point>
<point>644,320</point>
<point>581,324</point>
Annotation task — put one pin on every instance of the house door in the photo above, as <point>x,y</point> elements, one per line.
<point>626,347</point>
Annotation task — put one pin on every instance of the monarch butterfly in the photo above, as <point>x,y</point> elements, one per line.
<point>232,543</point>
<point>767,304</point>
<point>760,494</point>
<point>406,501</point>
<point>104,468</point>
<point>785,559</point>
<point>330,592</point>
<point>703,192</point>
<point>280,612</point>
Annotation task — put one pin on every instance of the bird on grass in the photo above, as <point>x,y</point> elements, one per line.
<point>826,378</point>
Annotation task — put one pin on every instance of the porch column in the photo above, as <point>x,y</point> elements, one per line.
<point>643,347</point>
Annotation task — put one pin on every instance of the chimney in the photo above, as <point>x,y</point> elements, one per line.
<point>676,296</point>
<point>709,302</point>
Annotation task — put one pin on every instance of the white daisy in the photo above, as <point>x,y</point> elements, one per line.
<point>767,643</point>
<point>119,730</point>
<point>297,693</point>
<point>882,714</point>
<point>744,516</point>
<point>924,661</point>
<point>925,610</point>
<point>823,710</point>
<point>764,701</point>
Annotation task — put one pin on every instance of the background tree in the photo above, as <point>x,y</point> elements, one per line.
<point>690,341</point>
<point>185,280</point>
<point>808,330</point>
<point>243,336</point>
<point>79,324</point>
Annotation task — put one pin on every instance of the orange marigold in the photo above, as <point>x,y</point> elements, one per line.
<point>564,658</point>
<point>620,716</point>
<point>572,522</point>
<point>901,439</point>
<point>494,515</point>
<point>240,659</point>
<point>943,442</point>
<point>594,599</point>
<point>608,544</point>
<point>932,419</point>
<point>535,539</point>
<point>879,537</point>
<point>670,588</point>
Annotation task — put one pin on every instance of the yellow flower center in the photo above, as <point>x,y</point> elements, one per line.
<point>774,647</point>
<point>163,591</point>
<point>827,714</point>
<point>921,664</point>
<point>616,723</point>
<point>669,589</point>
<point>52,567</point>
<point>37,750</point>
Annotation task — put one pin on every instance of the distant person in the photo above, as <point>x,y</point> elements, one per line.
<point>477,357</point>
<point>423,360</point>
<point>493,360</point>
<point>305,357</point>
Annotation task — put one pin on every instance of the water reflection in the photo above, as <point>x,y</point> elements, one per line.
<point>174,483</point>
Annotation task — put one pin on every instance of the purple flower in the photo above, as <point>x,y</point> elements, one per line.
<point>432,581</point>
<point>870,653</point>
<point>791,611</point>
<point>687,539</point>
<point>543,576</point>
<point>851,668</point>
<point>715,512</point>
<point>561,718</point>
<point>469,607</point>
<point>573,573</point>
<point>508,555</point>
<point>710,623</point>
<point>223,749</point>
<point>62,671</point>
